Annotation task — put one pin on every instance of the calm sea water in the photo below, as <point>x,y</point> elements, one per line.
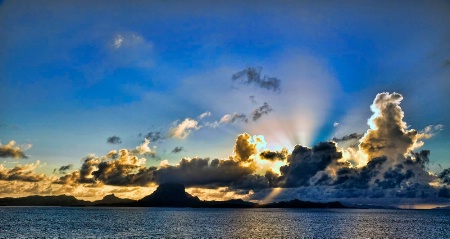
<point>72,222</point>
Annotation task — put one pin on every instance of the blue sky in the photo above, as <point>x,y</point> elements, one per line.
<point>74,73</point>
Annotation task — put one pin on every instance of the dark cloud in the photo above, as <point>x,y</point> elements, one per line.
<point>252,76</point>
<point>177,149</point>
<point>304,163</point>
<point>126,169</point>
<point>114,140</point>
<point>354,136</point>
<point>274,155</point>
<point>239,117</point>
<point>21,173</point>
<point>11,150</point>
<point>236,172</point>
<point>444,176</point>
<point>260,111</point>
<point>155,136</point>
<point>444,192</point>
<point>64,169</point>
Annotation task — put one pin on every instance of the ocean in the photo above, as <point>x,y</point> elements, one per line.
<point>104,222</point>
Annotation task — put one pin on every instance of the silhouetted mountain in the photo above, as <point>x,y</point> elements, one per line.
<point>303,204</point>
<point>112,199</point>
<point>61,200</point>
<point>170,195</point>
<point>166,195</point>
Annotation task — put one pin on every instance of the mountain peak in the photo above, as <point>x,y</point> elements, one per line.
<point>170,195</point>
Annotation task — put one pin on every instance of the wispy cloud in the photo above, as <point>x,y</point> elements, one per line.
<point>183,129</point>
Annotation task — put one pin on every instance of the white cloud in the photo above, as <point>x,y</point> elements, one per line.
<point>206,114</point>
<point>183,129</point>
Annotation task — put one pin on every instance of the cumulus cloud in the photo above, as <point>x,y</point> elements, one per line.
<point>126,169</point>
<point>389,135</point>
<point>252,76</point>
<point>11,150</point>
<point>177,149</point>
<point>182,130</point>
<point>236,172</point>
<point>322,172</point>
<point>21,173</point>
<point>144,149</point>
<point>114,140</point>
<point>260,111</point>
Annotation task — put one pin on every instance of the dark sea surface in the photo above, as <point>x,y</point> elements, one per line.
<point>96,222</point>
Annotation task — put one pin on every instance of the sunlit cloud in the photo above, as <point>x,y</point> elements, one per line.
<point>12,150</point>
<point>183,129</point>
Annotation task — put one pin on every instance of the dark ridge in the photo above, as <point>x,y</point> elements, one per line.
<point>61,200</point>
<point>166,195</point>
<point>111,199</point>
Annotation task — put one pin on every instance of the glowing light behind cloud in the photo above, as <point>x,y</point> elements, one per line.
<point>307,92</point>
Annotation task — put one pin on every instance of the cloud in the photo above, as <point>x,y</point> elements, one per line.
<point>155,136</point>
<point>353,136</point>
<point>131,49</point>
<point>228,119</point>
<point>351,140</point>
<point>389,135</point>
<point>11,150</point>
<point>203,115</point>
<point>252,76</point>
<point>274,155</point>
<point>236,172</point>
<point>445,176</point>
<point>64,169</point>
<point>126,169</point>
<point>177,149</point>
<point>260,111</point>
<point>144,149</point>
<point>324,171</point>
<point>21,173</point>
<point>114,140</point>
<point>182,130</point>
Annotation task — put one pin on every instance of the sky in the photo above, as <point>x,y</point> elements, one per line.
<point>259,100</point>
